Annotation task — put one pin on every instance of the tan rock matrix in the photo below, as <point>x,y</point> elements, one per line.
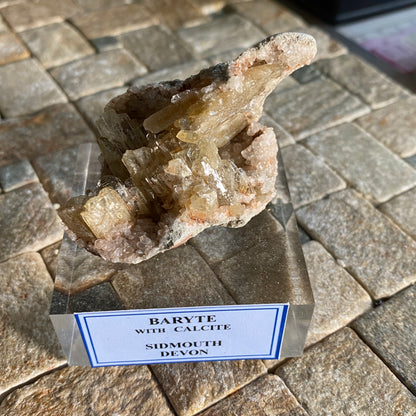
<point>181,156</point>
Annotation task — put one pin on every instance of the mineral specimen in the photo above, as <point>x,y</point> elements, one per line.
<point>182,156</point>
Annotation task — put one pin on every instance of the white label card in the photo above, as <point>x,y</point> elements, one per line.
<point>206,333</point>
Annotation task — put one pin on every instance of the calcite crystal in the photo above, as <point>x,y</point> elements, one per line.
<point>181,156</point>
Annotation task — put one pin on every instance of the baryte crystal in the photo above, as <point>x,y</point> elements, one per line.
<point>181,156</point>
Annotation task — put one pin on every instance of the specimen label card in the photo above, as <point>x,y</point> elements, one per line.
<point>207,333</point>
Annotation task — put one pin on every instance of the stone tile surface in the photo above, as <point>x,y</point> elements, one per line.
<point>266,271</point>
<point>79,391</point>
<point>16,175</point>
<point>339,299</point>
<point>78,269</point>
<point>92,106</point>
<point>106,43</point>
<point>56,172</point>
<point>56,44</point>
<point>220,34</point>
<point>390,331</point>
<point>307,74</point>
<point>312,107</point>
<point>29,346</point>
<point>411,160</point>
<point>11,48</point>
<point>394,126</point>
<point>86,42</point>
<point>164,49</point>
<point>181,71</point>
<point>101,297</point>
<point>28,221</point>
<point>266,396</point>
<point>5,3</point>
<point>49,130</point>
<point>368,245</point>
<point>228,55</point>
<point>309,178</point>
<point>361,79</point>
<point>285,85</point>
<point>342,376</point>
<point>30,14</point>
<point>174,16</point>
<point>402,210</point>
<point>363,162</point>
<point>102,4</point>
<point>210,6</point>
<point>113,21</point>
<point>26,88</point>
<point>50,257</point>
<point>97,72</point>
<point>219,243</point>
<point>178,277</point>
<point>3,26</point>
<point>304,238</point>
<point>192,387</point>
<point>268,14</point>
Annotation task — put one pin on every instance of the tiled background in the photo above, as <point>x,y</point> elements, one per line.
<point>348,138</point>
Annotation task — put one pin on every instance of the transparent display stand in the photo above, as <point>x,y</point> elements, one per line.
<point>227,294</point>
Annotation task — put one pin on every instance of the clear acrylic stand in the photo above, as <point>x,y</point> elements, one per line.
<point>78,291</point>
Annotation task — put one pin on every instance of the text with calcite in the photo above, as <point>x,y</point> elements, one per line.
<point>194,323</point>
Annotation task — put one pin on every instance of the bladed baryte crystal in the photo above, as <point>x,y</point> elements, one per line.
<point>182,156</point>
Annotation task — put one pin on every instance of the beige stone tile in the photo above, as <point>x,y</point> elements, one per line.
<point>11,48</point>
<point>192,387</point>
<point>390,331</point>
<point>156,47</point>
<point>266,396</point>
<point>270,15</point>
<point>175,16</point>
<point>52,129</point>
<point>92,106</point>
<point>220,243</point>
<point>82,391</point>
<point>402,210</point>
<point>361,79</point>
<point>181,71</point>
<point>97,72</point>
<point>364,162</point>
<point>312,107</point>
<point>176,278</point>
<point>374,250</point>
<point>26,88</point>
<point>221,33</point>
<point>50,257</point>
<point>16,175</point>
<point>394,126</point>
<point>113,21</point>
<point>28,221</point>
<point>56,173</point>
<point>30,14</point>
<point>339,298</point>
<point>309,178</point>
<point>78,269</point>
<point>341,375</point>
<point>28,343</point>
<point>56,44</point>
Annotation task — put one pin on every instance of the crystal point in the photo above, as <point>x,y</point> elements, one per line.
<point>186,155</point>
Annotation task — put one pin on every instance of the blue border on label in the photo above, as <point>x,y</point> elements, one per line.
<point>81,319</point>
